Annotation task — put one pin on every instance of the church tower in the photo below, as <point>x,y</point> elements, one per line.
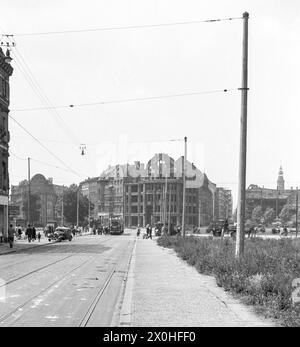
<point>280,180</point>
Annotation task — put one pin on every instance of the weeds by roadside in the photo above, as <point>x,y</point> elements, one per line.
<point>262,277</point>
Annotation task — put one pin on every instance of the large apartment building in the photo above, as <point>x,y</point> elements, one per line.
<point>147,193</point>
<point>48,195</point>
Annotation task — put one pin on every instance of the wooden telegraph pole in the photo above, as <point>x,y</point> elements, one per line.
<point>62,209</point>
<point>28,200</point>
<point>243,146</point>
<point>77,208</point>
<point>184,187</point>
<point>297,214</point>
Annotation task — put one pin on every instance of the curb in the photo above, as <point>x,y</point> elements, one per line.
<point>38,245</point>
<point>126,309</point>
<point>21,249</point>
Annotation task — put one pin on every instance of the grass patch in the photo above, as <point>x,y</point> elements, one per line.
<point>262,277</point>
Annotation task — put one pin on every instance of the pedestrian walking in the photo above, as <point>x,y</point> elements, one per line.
<point>33,234</point>
<point>28,233</point>
<point>39,236</point>
<point>19,232</point>
<point>11,234</point>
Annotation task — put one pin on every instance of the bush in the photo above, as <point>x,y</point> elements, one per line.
<point>263,275</point>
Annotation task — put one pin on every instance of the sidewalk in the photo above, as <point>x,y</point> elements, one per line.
<point>22,245</point>
<point>166,291</point>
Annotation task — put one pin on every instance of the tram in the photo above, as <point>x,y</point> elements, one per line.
<point>116,226</point>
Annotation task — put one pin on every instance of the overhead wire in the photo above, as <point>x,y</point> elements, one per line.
<point>27,72</point>
<point>45,147</point>
<point>43,97</point>
<point>39,161</point>
<point>37,89</point>
<point>129,27</point>
<point>136,99</point>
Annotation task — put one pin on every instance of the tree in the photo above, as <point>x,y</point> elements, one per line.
<point>257,214</point>
<point>269,215</point>
<point>70,205</point>
<point>287,212</point>
<point>35,206</point>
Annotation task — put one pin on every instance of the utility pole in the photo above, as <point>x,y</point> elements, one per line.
<point>46,209</point>
<point>199,219</point>
<point>243,145</point>
<point>165,200</point>
<point>28,200</point>
<point>184,187</point>
<point>169,217</point>
<point>89,209</point>
<point>62,209</point>
<point>77,208</point>
<point>297,215</point>
<point>277,204</point>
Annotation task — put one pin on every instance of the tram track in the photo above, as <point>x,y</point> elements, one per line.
<point>91,309</point>
<point>9,314</point>
<point>89,313</point>
<point>42,267</point>
<point>94,301</point>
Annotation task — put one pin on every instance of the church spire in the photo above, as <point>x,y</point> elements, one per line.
<point>280,180</point>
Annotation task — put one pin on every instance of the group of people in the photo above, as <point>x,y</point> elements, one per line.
<point>101,230</point>
<point>148,234</point>
<point>30,233</point>
<point>159,231</point>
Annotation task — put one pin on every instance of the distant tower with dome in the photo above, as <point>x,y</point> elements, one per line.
<point>280,180</point>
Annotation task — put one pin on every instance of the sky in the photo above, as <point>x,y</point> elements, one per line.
<point>113,65</point>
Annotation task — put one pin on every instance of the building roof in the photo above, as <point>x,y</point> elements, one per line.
<point>159,166</point>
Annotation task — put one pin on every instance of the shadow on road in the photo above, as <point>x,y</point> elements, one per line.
<point>65,247</point>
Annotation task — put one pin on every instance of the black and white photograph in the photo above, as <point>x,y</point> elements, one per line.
<point>150,178</point>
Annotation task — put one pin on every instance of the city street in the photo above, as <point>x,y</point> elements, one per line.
<point>74,283</point>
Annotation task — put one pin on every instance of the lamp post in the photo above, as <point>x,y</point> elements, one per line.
<point>77,208</point>
<point>184,187</point>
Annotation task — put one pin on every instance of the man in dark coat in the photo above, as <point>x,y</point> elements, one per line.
<point>11,234</point>
<point>33,233</point>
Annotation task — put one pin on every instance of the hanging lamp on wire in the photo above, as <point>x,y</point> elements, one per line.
<point>82,149</point>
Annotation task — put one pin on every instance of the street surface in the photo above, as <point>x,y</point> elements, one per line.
<point>75,283</point>
<point>120,280</point>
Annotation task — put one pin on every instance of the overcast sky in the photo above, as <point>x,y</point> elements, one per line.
<point>88,67</point>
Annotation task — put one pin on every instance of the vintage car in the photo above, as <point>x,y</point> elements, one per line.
<point>61,234</point>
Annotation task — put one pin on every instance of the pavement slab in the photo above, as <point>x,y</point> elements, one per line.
<point>166,291</point>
